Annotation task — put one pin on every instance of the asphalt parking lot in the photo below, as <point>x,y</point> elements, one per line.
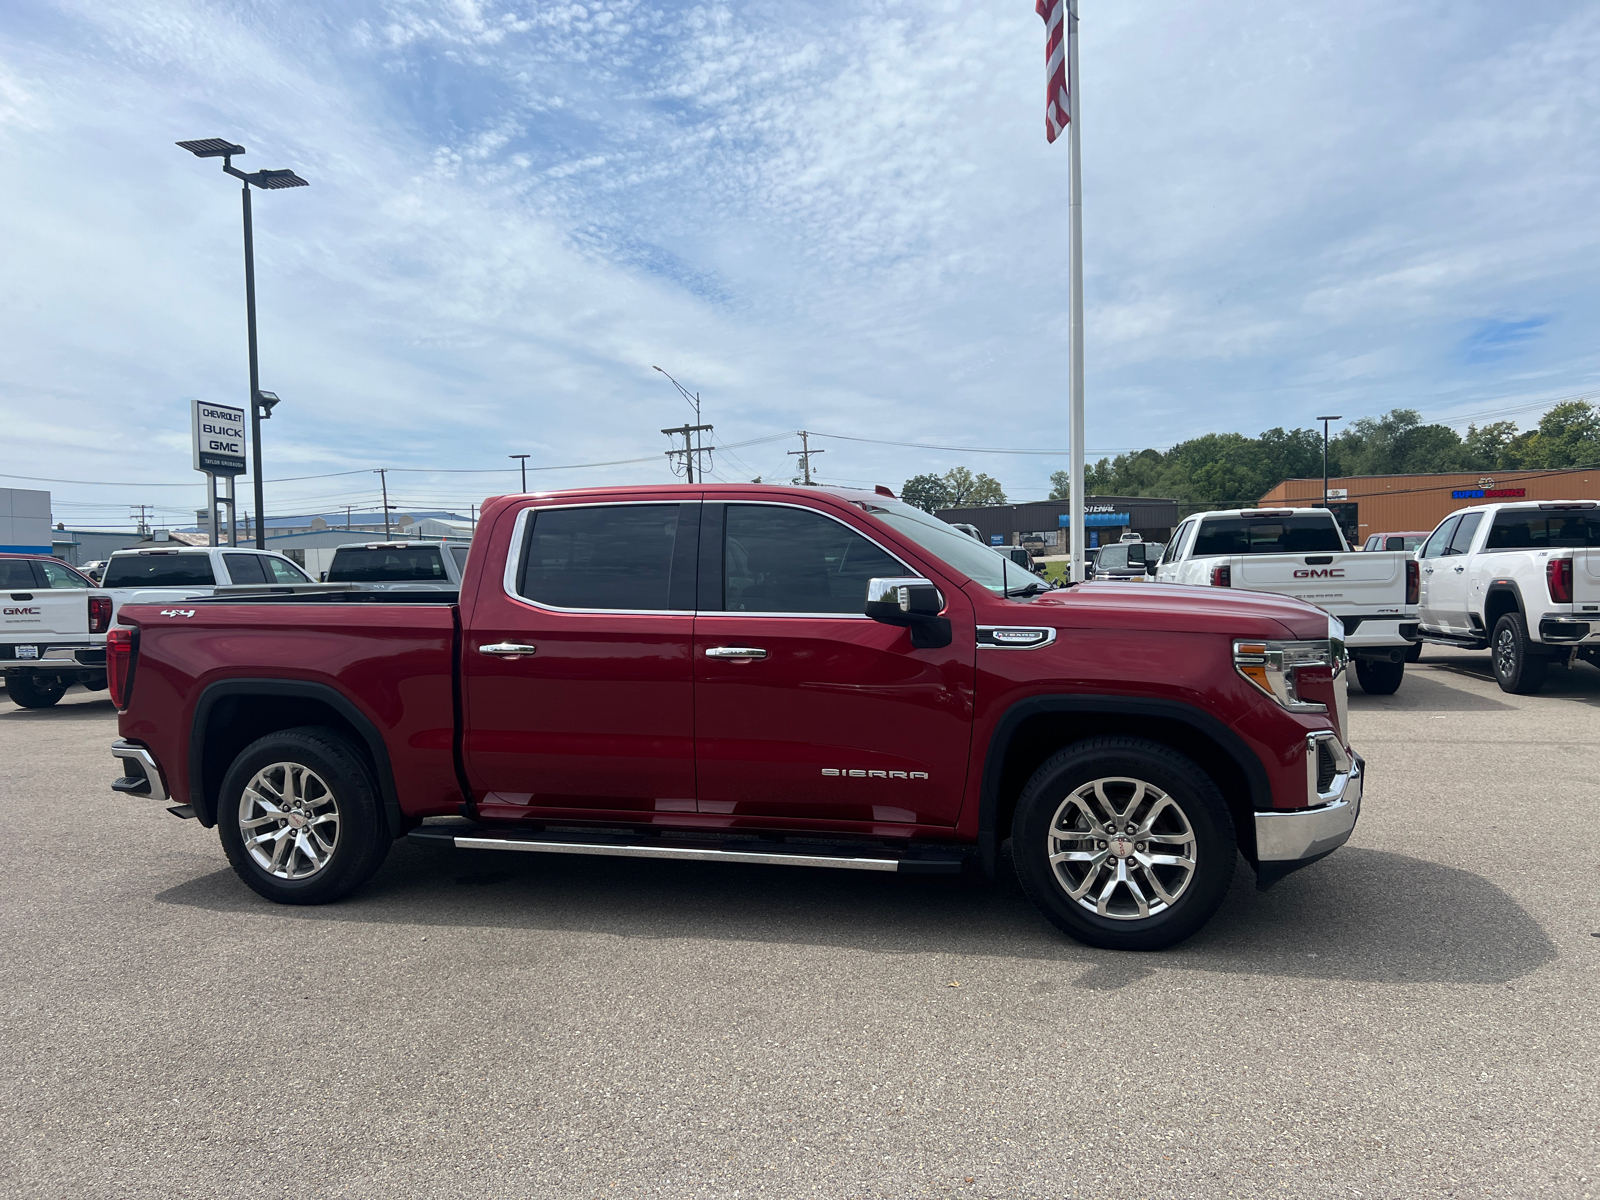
<point>1414,1016</point>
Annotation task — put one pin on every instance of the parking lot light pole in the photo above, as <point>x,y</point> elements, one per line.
<point>1325,421</point>
<point>261,403</point>
<point>524,465</point>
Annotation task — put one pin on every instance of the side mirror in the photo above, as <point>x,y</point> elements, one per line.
<point>912,603</point>
<point>1150,567</point>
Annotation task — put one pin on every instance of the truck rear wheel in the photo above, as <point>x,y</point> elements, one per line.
<point>1517,668</point>
<point>28,691</point>
<point>1378,677</point>
<point>299,817</point>
<point>1123,843</point>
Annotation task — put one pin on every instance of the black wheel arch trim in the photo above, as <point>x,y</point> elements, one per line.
<point>1197,719</point>
<point>291,689</point>
<point>1502,587</point>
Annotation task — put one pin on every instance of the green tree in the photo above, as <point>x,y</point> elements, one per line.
<point>1568,436</point>
<point>1489,448</point>
<point>972,491</point>
<point>927,492</point>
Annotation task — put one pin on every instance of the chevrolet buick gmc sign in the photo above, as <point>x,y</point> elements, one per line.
<point>218,438</point>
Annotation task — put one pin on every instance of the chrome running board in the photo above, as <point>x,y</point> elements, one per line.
<point>913,860</point>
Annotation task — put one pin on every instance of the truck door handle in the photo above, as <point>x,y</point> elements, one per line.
<point>508,650</point>
<point>1459,570</point>
<point>1427,570</point>
<point>735,653</point>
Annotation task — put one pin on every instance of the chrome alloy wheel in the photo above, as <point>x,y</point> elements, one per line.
<point>1505,652</point>
<point>289,820</point>
<point>1122,848</point>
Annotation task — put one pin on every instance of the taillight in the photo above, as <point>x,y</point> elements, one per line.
<point>121,645</point>
<point>1413,581</point>
<point>1221,576</point>
<point>1558,575</point>
<point>99,614</point>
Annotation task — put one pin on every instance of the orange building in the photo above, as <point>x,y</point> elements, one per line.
<point>1368,504</point>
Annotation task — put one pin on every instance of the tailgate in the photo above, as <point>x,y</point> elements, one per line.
<point>29,617</point>
<point>1586,580</point>
<point>1367,583</point>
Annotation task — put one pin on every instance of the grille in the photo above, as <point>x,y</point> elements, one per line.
<point>1326,767</point>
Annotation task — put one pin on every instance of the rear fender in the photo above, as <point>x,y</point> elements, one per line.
<point>223,725</point>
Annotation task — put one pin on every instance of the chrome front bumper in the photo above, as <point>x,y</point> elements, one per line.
<point>1307,833</point>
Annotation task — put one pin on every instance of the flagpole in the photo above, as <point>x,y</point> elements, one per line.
<point>1075,294</point>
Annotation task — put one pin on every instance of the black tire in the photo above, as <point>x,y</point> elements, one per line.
<point>1379,678</point>
<point>28,692</point>
<point>1204,819</point>
<point>1517,667</point>
<point>361,834</point>
<point>1415,653</point>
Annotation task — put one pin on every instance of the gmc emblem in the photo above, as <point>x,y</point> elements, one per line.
<point>23,612</point>
<point>1320,573</point>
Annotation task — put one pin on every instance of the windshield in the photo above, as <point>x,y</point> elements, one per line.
<point>948,544</point>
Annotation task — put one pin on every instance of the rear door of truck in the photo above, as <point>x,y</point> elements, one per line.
<point>38,611</point>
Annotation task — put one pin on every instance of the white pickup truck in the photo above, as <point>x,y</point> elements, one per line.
<point>52,629</point>
<point>157,574</point>
<point>1301,552</point>
<point>1521,580</point>
<point>400,566</point>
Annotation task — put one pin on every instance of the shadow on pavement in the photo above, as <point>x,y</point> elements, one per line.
<point>1422,692</point>
<point>71,708</point>
<point>1359,915</point>
<point>1579,682</point>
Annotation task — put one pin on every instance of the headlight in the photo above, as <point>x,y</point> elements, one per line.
<point>1274,666</point>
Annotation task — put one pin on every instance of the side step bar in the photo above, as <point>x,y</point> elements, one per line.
<point>915,860</point>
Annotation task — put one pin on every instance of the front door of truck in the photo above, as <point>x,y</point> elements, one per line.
<point>577,686</point>
<point>806,710</point>
<point>1447,590</point>
<point>1431,560</point>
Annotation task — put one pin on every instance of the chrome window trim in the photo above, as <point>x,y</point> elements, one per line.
<point>1049,632</point>
<point>519,533</point>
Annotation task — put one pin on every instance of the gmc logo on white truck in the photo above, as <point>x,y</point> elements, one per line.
<point>23,612</point>
<point>1320,573</point>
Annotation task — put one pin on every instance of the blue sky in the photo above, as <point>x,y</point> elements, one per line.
<point>838,217</point>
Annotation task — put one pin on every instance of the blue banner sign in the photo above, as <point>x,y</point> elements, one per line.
<point>1094,518</point>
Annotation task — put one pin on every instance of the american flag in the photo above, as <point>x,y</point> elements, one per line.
<point>1056,113</point>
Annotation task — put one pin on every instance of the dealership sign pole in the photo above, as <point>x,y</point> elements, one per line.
<point>219,454</point>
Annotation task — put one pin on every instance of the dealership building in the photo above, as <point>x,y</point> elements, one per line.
<point>1106,519</point>
<point>1368,504</point>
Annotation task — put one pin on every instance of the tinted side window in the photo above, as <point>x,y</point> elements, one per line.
<point>793,560</point>
<point>159,570</point>
<point>17,574</point>
<point>244,568</point>
<point>58,576</point>
<point>606,557</point>
<point>1435,545</point>
<point>1176,543</point>
<point>1461,540</point>
<point>459,553</point>
<point>1528,529</point>
<point>1112,558</point>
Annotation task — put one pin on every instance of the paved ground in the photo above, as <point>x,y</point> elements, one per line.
<point>1415,1016</point>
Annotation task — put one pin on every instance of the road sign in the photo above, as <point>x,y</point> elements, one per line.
<point>218,438</point>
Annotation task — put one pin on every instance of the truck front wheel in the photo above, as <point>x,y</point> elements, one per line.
<point>299,817</point>
<point>1517,667</point>
<point>1123,843</point>
<point>28,691</point>
<point>1379,677</point>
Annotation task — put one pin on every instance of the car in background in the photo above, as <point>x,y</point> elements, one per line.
<point>1407,541</point>
<point>163,574</point>
<point>970,530</point>
<point>1034,544</point>
<point>94,570</point>
<point>411,566</point>
<point>1127,560</point>
<point>52,629</point>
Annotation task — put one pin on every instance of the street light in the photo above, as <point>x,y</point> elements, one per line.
<point>1325,421</point>
<point>261,403</point>
<point>524,465</point>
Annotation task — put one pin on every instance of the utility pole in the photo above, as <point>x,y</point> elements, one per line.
<point>1325,421</point>
<point>144,529</point>
<point>383,479</point>
<point>524,465</point>
<point>691,448</point>
<point>347,509</point>
<point>804,454</point>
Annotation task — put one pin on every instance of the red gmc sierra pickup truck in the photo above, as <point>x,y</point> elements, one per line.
<point>803,676</point>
